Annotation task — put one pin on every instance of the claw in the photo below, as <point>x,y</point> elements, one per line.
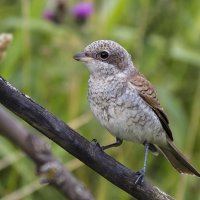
<point>95,142</point>
<point>140,177</point>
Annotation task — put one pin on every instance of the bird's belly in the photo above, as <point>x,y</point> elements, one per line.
<point>135,122</point>
<point>136,130</point>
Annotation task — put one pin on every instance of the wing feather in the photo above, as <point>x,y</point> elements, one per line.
<point>147,92</point>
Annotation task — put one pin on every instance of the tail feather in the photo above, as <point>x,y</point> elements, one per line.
<point>177,159</point>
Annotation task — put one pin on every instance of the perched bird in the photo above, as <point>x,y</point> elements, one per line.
<point>125,103</point>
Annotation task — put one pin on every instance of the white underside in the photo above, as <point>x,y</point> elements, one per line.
<point>127,117</point>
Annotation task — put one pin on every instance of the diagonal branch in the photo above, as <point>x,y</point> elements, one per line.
<point>51,169</point>
<point>75,144</point>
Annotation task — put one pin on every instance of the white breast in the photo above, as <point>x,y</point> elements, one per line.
<point>120,109</point>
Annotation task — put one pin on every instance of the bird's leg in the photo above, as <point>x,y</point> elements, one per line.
<point>142,172</point>
<point>116,144</point>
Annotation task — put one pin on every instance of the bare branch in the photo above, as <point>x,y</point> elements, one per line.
<point>71,141</point>
<point>52,171</point>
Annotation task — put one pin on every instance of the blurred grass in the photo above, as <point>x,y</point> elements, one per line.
<point>164,40</point>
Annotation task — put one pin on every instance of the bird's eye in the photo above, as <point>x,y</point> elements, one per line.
<point>104,55</point>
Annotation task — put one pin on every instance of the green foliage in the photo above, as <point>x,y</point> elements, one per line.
<point>164,40</point>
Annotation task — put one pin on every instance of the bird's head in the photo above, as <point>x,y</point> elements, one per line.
<point>105,57</point>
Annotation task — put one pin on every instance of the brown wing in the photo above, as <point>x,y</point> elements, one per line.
<point>147,92</point>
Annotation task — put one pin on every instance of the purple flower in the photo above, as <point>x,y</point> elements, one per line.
<point>56,11</point>
<point>82,10</point>
<point>49,15</point>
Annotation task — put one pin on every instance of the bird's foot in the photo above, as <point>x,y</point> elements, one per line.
<point>140,176</point>
<point>95,142</point>
<point>115,144</point>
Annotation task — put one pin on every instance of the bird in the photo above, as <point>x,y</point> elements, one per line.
<point>126,104</point>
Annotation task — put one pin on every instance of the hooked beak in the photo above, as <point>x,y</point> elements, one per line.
<point>82,57</point>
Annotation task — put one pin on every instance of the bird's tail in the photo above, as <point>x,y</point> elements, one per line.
<point>178,161</point>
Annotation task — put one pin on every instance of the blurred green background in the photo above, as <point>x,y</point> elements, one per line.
<point>163,38</point>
